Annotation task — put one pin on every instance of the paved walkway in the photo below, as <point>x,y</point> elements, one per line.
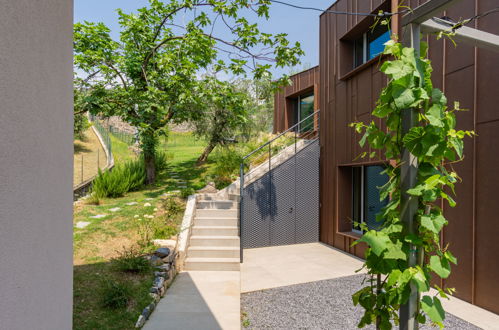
<point>199,300</point>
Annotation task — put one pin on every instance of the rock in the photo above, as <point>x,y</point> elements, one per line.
<point>152,307</point>
<point>82,224</point>
<point>140,322</point>
<point>162,252</point>
<point>155,296</point>
<point>170,243</point>
<point>155,260</point>
<point>146,312</point>
<point>161,274</point>
<point>154,290</point>
<point>98,216</point>
<point>165,267</point>
<point>115,209</point>
<point>131,203</point>
<point>158,282</point>
<point>162,291</point>
<point>148,199</point>
<point>209,189</point>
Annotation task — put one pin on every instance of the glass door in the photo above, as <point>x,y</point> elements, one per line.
<point>306,109</point>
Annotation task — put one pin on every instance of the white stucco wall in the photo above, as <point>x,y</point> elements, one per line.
<point>36,164</point>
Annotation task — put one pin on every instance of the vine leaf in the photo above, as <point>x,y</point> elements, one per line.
<point>377,241</point>
<point>433,223</point>
<point>440,266</point>
<point>433,308</point>
<point>412,140</point>
<point>435,114</point>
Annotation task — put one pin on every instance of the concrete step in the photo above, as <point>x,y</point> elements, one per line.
<point>213,264</point>
<point>217,204</point>
<point>213,252</point>
<point>209,221</point>
<point>214,231</point>
<point>214,241</point>
<point>212,213</point>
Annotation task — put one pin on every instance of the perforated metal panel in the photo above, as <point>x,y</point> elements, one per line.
<point>307,195</point>
<point>282,207</point>
<point>255,206</point>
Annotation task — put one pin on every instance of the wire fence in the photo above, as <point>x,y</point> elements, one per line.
<point>104,133</point>
<point>128,138</point>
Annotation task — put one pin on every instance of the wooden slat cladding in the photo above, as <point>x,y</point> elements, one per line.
<point>303,82</point>
<point>466,74</point>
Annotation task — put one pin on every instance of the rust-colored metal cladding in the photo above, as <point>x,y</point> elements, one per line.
<point>348,85</point>
<point>303,83</point>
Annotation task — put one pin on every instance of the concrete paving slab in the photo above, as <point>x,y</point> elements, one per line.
<point>199,300</point>
<point>276,266</point>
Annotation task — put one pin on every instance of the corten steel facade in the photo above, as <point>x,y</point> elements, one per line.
<point>465,74</point>
<point>305,82</point>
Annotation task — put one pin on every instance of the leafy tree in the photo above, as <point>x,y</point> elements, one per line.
<point>261,105</point>
<point>224,115</point>
<point>149,76</point>
<point>436,144</point>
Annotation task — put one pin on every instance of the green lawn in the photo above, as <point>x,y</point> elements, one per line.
<point>103,238</point>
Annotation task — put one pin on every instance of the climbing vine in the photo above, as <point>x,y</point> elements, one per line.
<point>436,144</point>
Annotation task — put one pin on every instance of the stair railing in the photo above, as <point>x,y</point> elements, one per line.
<point>305,130</point>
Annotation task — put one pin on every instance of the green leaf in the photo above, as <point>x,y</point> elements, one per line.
<point>433,308</point>
<point>448,255</point>
<point>393,277</point>
<point>377,241</point>
<point>438,97</point>
<point>440,266</point>
<point>435,114</point>
<point>395,251</point>
<point>420,280</point>
<point>458,145</point>
<point>403,97</point>
<point>413,139</point>
<point>433,223</point>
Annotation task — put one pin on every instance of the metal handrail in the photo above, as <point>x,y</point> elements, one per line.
<point>281,134</point>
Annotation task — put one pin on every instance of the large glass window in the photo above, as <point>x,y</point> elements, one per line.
<point>370,44</point>
<point>376,40</point>
<point>366,203</point>
<point>306,109</point>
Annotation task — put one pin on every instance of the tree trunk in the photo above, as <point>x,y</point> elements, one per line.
<point>204,156</point>
<point>150,165</point>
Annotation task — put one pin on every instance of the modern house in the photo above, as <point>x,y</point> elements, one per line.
<point>345,87</point>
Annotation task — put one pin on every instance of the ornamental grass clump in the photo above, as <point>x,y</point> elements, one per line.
<point>126,177</point>
<point>436,144</point>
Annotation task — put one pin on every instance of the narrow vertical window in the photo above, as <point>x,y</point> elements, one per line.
<point>366,203</point>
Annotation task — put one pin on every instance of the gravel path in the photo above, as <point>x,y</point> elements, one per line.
<point>317,305</point>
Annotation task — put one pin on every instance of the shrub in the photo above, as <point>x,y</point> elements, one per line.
<point>115,294</point>
<point>131,260</point>
<point>161,160</point>
<point>186,192</point>
<point>129,176</point>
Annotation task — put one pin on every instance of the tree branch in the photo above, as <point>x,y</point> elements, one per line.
<point>123,81</point>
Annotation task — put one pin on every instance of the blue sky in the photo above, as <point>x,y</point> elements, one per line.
<point>300,25</point>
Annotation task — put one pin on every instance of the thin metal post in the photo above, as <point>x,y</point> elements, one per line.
<point>81,169</point>
<point>270,193</point>
<point>409,204</point>
<point>241,190</point>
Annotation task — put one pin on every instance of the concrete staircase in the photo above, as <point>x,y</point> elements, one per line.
<point>214,241</point>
